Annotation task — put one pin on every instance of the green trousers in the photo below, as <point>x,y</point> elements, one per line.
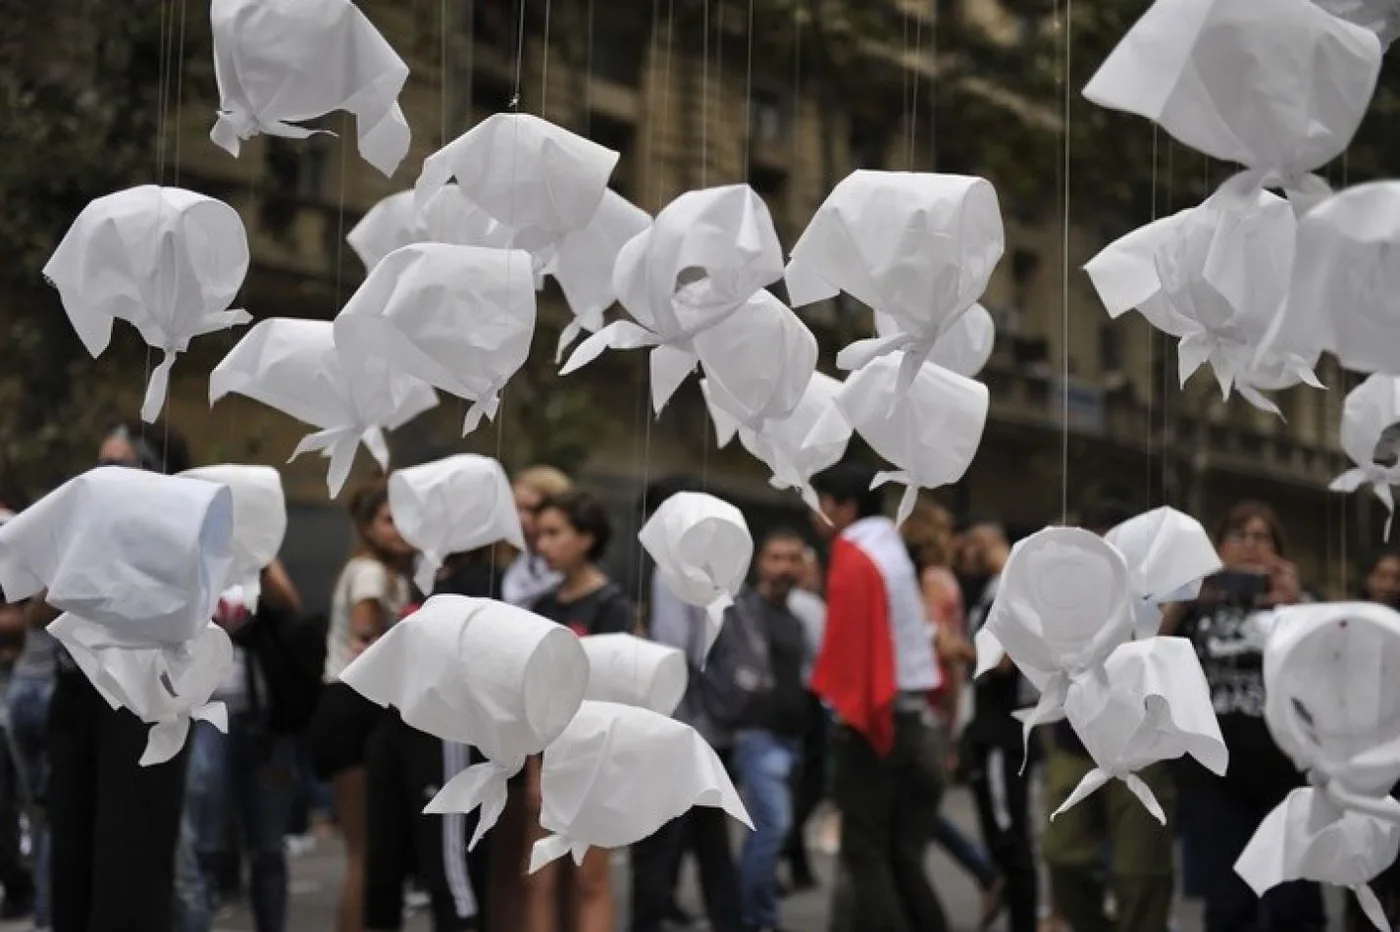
<point>1109,841</point>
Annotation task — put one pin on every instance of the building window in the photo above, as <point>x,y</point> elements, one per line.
<point>770,119</point>
<point>621,138</point>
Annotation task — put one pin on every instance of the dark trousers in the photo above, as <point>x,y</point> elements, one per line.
<point>1218,824</point>
<point>809,788</point>
<point>704,831</point>
<point>14,875</point>
<point>888,807</point>
<point>114,824</point>
<point>404,770</point>
<point>994,773</point>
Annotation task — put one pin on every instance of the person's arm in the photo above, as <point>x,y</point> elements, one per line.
<point>278,588</point>
<point>368,588</point>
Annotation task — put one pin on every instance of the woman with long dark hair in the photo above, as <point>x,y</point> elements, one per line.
<point>369,596</point>
<point>1220,814</point>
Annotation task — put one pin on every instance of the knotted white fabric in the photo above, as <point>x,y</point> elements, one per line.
<point>599,783</point>
<point>294,366</point>
<point>759,361</point>
<point>1342,297</point>
<point>447,217</point>
<point>930,433</point>
<point>1064,613</point>
<point>1332,704</point>
<point>916,247</point>
<point>1168,554</point>
<point>539,180</point>
<point>166,260</point>
<point>259,520</point>
<point>452,505</point>
<point>166,687</point>
<point>457,317</point>
<point>1370,435</point>
<point>702,548</point>
<point>964,348</point>
<point>812,438</point>
<point>1278,87</point>
<point>282,62</point>
<point>707,253</point>
<point>477,672</point>
<point>142,555</point>
<point>632,671</point>
<point>1215,276</point>
<point>583,264</point>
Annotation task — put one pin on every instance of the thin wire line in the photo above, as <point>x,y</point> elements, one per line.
<point>705,100</point>
<point>519,56</point>
<point>1064,285</point>
<point>544,67</point>
<point>1151,335</point>
<point>588,81</point>
<point>444,73</point>
<point>748,94</point>
<point>914,90</point>
<point>179,93</point>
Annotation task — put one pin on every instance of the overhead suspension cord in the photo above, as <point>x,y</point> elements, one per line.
<point>1064,272</point>
<point>1152,343</point>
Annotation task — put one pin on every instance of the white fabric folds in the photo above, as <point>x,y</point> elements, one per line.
<point>166,260</point>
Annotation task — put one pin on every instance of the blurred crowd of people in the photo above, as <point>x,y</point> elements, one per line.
<point>838,693</point>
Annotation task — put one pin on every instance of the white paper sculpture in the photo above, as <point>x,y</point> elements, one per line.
<point>705,256</point>
<point>166,260</point>
<point>1278,87</point>
<point>1332,704</point>
<point>143,555</point>
<point>259,520</point>
<point>918,248</point>
<point>583,264</point>
<point>1344,283</point>
<point>1370,435</point>
<point>458,317</point>
<point>1215,276</point>
<point>295,367</point>
<point>282,62</point>
<point>1064,613</point>
<point>930,433</point>
<point>1379,16</point>
<point>164,687</point>
<point>964,348</point>
<point>477,672</point>
<point>599,786</point>
<point>758,361</point>
<point>812,438</point>
<point>452,505</point>
<point>632,671</point>
<point>1168,554</point>
<point>702,548</point>
<point>448,217</point>
<point>539,180</point>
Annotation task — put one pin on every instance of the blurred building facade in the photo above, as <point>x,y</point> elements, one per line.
<point>689,100</point>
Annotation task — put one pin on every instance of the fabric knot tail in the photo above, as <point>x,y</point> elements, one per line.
<point>339,444</point>
<point>861,352</point>
<point>1145,795</point>
<point>1092,781</point>
<point>165,740</point>
<point>908,500</point>
<point>481,785</point>
<point>550,848</point>
<point>620,334</point>
<point>1371,906</point>
<point>384,142</point>
<point>157,388</point>
<point>669,367</point>
<point>1050,708</point>
<point>570,334</point>
<point>1258,399</point>
<point>1192,352</point>
<point>916,353</point>
<point>425,576</point>
<point>485,406</point>
<point>230,129</point>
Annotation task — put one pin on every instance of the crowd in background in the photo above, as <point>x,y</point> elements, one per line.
<point>838,693</point>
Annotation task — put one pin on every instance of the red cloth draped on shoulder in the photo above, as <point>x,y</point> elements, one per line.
<point>855,669</point>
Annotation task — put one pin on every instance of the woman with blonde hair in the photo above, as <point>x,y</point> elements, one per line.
<point>369,596</point>
<point>528,577</point>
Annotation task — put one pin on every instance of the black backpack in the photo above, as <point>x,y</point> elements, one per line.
<point>290,652</point>
<point>738,673</point>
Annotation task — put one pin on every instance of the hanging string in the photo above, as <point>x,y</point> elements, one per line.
<point>748,93</point>
<point>443,73</point>
<point>1342,388</point>
<point>588,77</point>
<point>179,92</point>
<point>1167,368</point>
<point>544,67</point>
<point>1064,273</point>
<point>1152,343</point>
<point>914,88</point>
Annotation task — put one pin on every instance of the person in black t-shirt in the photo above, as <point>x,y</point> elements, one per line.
<point>1219,814</point>
<point>572,533</point>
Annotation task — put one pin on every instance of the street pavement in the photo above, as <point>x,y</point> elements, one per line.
<point>316,879</point>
